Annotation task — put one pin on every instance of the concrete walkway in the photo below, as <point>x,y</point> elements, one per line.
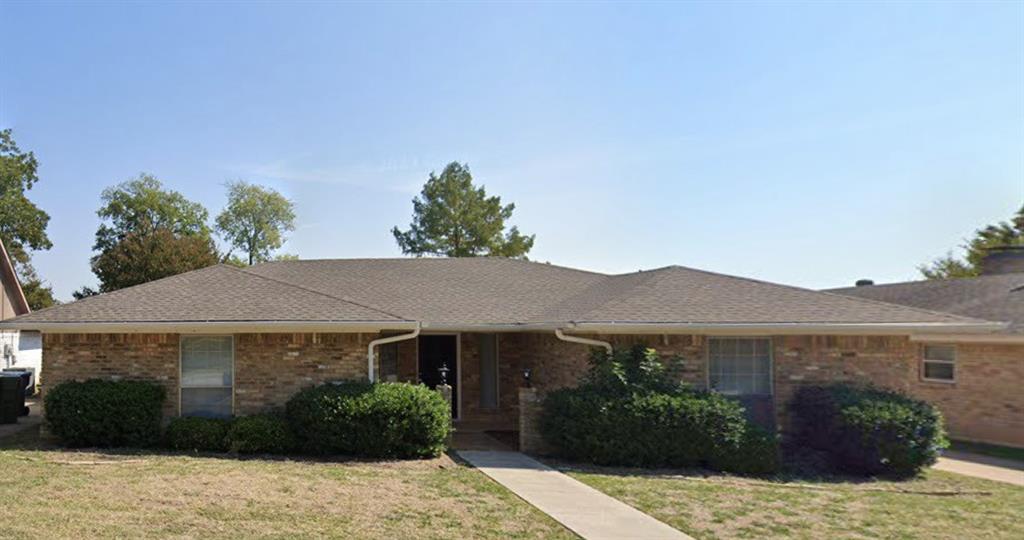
<point>581,508</point>
<point>34,418</point>
<point>977,465</point>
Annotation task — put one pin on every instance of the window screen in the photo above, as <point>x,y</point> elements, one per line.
<point>389,362</point>
<point>488,346</point>
<point>939,363</point>
<point>207,376</point>
<point>740,366</point>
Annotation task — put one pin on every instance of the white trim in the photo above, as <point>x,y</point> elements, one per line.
<point>987,329</point>
<point>234,380</point>
<point>1009,339</point>
<point>771,364</point>
<point>210,327</point>
<point>458,366</point>
<point>925,360</point>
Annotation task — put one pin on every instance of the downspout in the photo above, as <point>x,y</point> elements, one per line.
<point>575,339</point>
<point>385,341</point>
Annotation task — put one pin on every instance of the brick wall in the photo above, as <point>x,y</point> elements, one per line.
<point>271,368</point>
<point>149,357</point>
<point>986,402</point>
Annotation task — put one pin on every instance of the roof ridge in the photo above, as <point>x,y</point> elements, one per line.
<point>961,279</point>
<point>432,258</point>
<point>618,297</point>
<point>314,291</point>
<point>832,294</point>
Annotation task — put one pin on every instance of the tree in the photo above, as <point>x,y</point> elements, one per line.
<point>255,220</point>
<point>154,254</point>
<point>148,233</point>
<point>22,223</point>
<point>38,294</point>
<point>142,205</point>
<point>1004,233</point>
<point>454,218</point>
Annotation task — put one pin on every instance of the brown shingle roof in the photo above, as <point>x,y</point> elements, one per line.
<point>476,291</point>
<point>217,293</point>
<point>995,298</point>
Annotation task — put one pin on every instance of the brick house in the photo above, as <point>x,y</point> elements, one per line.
<point>976,380</point>
<point>225,340</point>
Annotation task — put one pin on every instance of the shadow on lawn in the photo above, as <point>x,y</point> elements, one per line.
<point>799,465</point>
<point>30,440</point>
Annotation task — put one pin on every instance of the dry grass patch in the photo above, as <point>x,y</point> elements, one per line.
<point>61,494</point>
<point>936,505</point>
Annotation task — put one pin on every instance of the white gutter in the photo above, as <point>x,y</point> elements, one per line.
<point>575,339</point>
<point>207,327</point>
<point>385,341</point>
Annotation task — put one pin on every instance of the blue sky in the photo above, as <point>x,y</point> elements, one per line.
<point>808,144</point>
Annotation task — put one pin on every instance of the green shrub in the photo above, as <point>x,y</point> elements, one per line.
<point>260,434</point>
<point>869,431</point>
<point>628,412</point>
<point>391,420</point>
<point>755,452</point>
<point>198,434</point>
<point>105,413</point>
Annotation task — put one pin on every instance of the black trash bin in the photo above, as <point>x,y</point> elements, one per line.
<point>28,376</point>
<point>12,397</point>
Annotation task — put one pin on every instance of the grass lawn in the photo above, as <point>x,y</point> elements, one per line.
<point>52,493</point>
<point>937,505</point>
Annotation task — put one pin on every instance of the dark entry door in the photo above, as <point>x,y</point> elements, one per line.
<point>437,352</point>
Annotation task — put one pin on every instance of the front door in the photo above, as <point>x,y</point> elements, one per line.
<point>436,354</point>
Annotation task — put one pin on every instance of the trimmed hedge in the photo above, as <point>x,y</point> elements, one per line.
<point>197,434</point>
<point>685,429</point>
<point>869,431</point>
<point>105,413</point>
<point>628,412</point>
<point>380,420</point>
<point>260,434</point>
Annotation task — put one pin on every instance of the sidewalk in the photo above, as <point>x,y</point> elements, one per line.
<point>987,467</point>
<point>581,508</point>
<point>34,418</point>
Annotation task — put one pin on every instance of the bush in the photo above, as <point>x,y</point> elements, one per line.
<point>869,431</point>
<point>628,412</point>
<point>390,420</point>
<point>105,413</point>
<point>198,434</point>
<point>755,452</point>
<point>260,434</point>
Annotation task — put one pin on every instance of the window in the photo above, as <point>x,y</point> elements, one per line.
<point>389,362</point>
<point>207,376</point>
<point>939,363</point>
<point>488,345</point>
<point>740,366</point>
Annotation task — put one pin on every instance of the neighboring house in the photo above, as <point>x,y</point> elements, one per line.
<point>226,340</point>
<point>977,381</point>
<point>18,349</point>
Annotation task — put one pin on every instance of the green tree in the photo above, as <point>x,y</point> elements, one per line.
<point>148,233</point>
<point>154,254</point>
<point>255,220</point>
<point>142,205</point>
<point>22,223</point>
<point>1004,233</point>
<point>454,218</point>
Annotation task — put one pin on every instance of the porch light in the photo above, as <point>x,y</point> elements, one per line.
<point>443,370</point>
<point>526,377</point>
